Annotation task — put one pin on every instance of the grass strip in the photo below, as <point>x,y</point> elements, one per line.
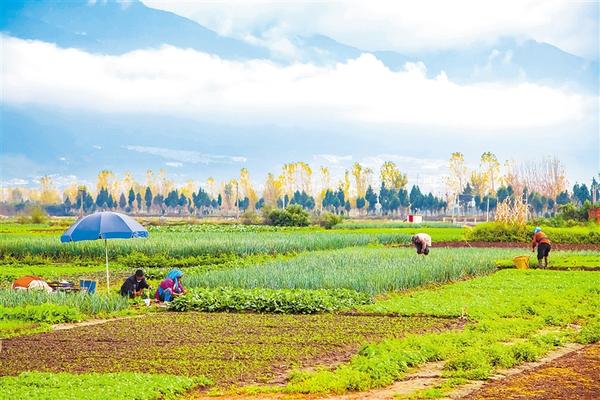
<point>115,386</point>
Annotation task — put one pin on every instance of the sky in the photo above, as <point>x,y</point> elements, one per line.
<point>69,112</point>
<point>402,25</point>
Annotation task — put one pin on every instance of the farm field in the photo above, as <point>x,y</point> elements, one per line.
<point>377,311</point>
<point>252,349</point>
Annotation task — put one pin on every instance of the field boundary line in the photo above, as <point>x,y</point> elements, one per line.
<point>471,387</point>
<point>91,322</point>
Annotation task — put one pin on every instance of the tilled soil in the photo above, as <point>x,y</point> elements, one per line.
<point>572,376</point>
<point>555,246</point>
<point>227,348</point>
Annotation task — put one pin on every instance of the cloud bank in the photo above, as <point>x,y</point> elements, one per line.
<point>195,84</point>
<point>178,157</point>
<point>402,25</point>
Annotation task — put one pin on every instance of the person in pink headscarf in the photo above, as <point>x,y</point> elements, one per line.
<point>170,287</point>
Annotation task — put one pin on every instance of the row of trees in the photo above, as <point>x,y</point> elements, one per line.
<point>542,183</point>
<point>387,201</point>
<point>538,204</point>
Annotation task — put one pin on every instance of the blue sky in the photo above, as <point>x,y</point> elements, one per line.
<point>257,84</point>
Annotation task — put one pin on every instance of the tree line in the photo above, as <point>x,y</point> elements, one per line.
<point>541,184</point>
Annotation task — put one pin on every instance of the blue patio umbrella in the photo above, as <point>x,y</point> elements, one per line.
<point>104,225</point>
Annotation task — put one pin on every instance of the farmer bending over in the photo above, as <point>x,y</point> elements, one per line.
<point>170,287</point>
<point>543,246</point>
<point>422,242</point>
<point>134,285</point>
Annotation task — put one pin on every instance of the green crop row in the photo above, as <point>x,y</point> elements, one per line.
<point>369,270</point>
<point>366,224</point>
<point>86,304</point>
<point>455,234</point>
<point>33,229</point>
<point>94,386</point>
<point>193,244</point>
<point>296,301</point>
<point>225,228</point>
<point>43,313</point>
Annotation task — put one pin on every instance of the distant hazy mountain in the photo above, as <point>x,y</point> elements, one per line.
<point>508,59</point>
<point>112,27</point>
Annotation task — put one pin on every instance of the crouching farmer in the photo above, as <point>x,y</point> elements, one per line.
<point>543,246</point>
<point>170,287</point>
<point>422,242</point>
<point>133,286</point>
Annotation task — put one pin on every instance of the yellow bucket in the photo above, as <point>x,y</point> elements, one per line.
<point>521,262</point>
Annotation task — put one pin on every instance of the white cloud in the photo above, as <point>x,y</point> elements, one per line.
<point>404,25</point>
<point>61,181</point>
<point>193,157</point>
<point>424,172</point>
<point>97,147</point>
<point>62,158</point>
<point>198,85</point>
<point>427,173</point>
<point>14,182</point>
<point>174,164</point>
<point>331,158</point>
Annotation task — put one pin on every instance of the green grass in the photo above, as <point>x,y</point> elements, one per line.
<point>588,260</point>
<point>11,328</point>
<point>369,270</point>
<point>498,232</point>
<point>514,316</point>
<point>556,297</point>
<point>123,385</point>
<point>28,319</point>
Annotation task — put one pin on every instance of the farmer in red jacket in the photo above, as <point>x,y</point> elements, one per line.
<point>543,246</point>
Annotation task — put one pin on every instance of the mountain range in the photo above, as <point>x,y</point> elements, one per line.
<point>116,27</point>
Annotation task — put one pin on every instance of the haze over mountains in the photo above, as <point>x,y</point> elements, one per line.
<point>56,138</point>
<point>114,27</point>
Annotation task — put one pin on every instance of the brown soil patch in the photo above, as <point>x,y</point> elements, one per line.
<point>575,375</point>
<point>555,246</point>
<point>230,349</point>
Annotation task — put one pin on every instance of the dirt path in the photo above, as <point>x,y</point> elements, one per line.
<point>90,322</point>
<point>430,375</point>
<point>574,375</point>
<point>426,376</point>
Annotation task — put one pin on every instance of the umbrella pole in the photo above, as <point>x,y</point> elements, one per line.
<point>107,275</point>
